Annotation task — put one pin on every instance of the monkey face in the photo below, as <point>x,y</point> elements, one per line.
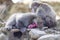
<point>39,22</point>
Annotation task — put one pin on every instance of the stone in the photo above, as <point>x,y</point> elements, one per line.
<point>36,33</point>
<point>50,37</point>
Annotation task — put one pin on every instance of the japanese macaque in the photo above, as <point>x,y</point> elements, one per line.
<point>19,22</point>
<point>47,14</point>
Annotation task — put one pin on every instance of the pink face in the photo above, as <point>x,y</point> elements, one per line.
<point>33,25</point>
<point>37,23</point>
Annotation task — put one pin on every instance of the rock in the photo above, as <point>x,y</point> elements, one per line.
<point>52,31</point>
<point>3,30</point>
<point>36,33</point>
<point>50,37</point>
<point>3,37</point>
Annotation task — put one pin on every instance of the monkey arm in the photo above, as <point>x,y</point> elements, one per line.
<point>10,22</point>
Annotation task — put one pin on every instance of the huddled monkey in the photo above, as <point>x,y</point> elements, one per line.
<point>47,14</point>
<point>19,21</point>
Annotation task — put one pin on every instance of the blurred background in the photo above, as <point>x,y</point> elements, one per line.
<point>8,7</point>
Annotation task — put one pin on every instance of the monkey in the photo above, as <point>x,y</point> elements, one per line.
<point>47,14</point>
<point>20,22</point>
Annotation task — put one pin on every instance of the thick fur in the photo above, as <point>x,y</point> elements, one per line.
<point>47,14</point>
<point>20,21</point>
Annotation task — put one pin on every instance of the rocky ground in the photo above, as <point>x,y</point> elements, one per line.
<point>47,34</point>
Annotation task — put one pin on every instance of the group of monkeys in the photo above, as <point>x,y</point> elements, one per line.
<point>41,15</point>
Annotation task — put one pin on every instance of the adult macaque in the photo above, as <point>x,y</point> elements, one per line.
<point>47,14</point>
<point>18,23</point>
